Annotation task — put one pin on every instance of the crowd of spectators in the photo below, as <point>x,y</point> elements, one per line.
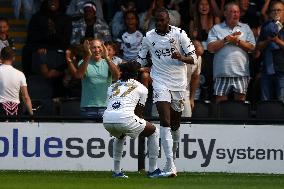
<point>239,45</point>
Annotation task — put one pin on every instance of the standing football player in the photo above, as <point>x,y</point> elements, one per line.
<point>170,51</point>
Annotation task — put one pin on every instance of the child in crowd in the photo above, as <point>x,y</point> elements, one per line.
<point>130,40</point>
<point>113,52</point>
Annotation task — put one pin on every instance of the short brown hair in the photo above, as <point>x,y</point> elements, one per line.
<point>7,53</point>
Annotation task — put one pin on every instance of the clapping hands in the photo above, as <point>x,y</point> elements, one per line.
<point>105,54</point>
<point>87,47</point>
<point>234,37</point>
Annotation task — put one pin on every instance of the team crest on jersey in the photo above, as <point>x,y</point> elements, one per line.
<point>116,105</point>
<point>127,45</point>
<point>172,41</point>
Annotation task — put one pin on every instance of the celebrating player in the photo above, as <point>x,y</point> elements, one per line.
<point>123,117</point>
<point>170,50</point>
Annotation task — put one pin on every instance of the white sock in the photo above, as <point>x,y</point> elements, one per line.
<point>153,150</point>
<point>167,144</point>
<point>176,138</point>
<point>117,153</point>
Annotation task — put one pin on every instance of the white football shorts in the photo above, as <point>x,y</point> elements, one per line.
<point>176,98</point>
<point>132,128</point>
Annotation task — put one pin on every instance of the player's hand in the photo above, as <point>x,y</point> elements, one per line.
<point>176,55</point>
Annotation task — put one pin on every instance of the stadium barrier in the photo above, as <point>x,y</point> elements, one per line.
<point>211,147</point>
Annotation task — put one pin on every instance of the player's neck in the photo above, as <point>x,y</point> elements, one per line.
<point>164,32</point>
<point>7,62</point>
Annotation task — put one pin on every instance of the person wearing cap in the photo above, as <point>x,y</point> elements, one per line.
<point>75,8</point>
<point>90,26</point>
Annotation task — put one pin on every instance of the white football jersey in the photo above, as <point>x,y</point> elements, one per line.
<point>130,44</point>
<point>166,71</point>
<point>123,96</point>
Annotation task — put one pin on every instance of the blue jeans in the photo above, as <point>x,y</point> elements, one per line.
<point>267,87</point>
<point>28,6</point>
<point>272,86</point>
<point>280,86</point>
<point>93,112</point>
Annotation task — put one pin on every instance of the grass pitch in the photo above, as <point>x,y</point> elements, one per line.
<point>103,180</point>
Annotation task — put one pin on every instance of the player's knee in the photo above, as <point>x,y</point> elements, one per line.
<point>165,123</point>
<point>175,127</point>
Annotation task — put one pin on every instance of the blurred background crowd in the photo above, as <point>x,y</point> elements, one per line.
<point>49,38</point>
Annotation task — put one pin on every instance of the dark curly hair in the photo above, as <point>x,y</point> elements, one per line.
<point>129,70</point>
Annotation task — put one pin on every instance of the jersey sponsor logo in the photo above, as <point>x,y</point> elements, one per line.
<point>164,52</point>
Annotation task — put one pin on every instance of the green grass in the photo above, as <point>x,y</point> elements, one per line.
<point>98,180</point>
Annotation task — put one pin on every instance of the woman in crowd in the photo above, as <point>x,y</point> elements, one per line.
<point>203,20</point>
<point>96,71</point>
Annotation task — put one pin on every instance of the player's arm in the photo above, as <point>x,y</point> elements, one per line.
<point>189,56</point>
<point>186,59</point>
<point>139,109</point>
<point>142,54</point>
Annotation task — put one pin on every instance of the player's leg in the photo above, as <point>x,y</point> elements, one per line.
<point>165,132</point>
<point>177,106</point>
<point>152,133</point>
<point>118,143</point>
<point>175,125</point>
<point>117,156</point>
<point>145,78</point>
